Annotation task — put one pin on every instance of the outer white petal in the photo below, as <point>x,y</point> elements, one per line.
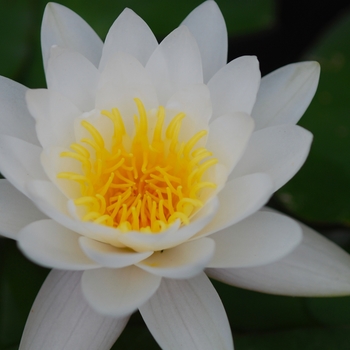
<point>234,87</point>
<point>176,63</point>
<point>52,245</point>
<point>118,292</point>
<point>60,318</point>
<point>187,314</point>
<point>54,115</point>
<point>109,256</point>
<point>228,137</point>
<point>15,119</point>
<point>285,94</point>
<point>141,241</point>
<point>207,25</point>
<point>260,239</point>
<point>129,33</point>
<point>317,267</point>
<point>63,27</point>
<point>279,151</point>
<point>184,261</point>
<point>16,210</point>
<point>240,198</point>
<point>73,76</point>
<point>20,162</point>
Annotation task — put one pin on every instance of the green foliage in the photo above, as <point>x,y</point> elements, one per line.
<point>320,191</point>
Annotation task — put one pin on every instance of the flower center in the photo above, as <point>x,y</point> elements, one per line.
<point>145,186</point>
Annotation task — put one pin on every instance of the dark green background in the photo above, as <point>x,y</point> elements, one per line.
<point>278,32</point>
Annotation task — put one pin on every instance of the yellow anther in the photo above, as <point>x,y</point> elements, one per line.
<point>191,143</point>
<point>176,122</point>
<point>94,133</point>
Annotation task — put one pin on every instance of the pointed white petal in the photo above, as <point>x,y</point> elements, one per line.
<point>234,87</point>
<point>228,137</point>
<point>54,115</point>
<point>317,267</point>
<point>184,261</point>
<point>195,102</point>
<point>240,198</point>
<point>73,76</point>
<point>15,120</point>
<point>16,210</point>
<point>129,33</point>
<point>175,64</point>
<point>60,318</point>
<point>109,256</point>
<point>20,162</point>
<point>122,80</point>
<point>187,314</point>
<point>118,292</point>
<point>142,241</point>
<point>207,25</point>
<point>285,94</point>
<point>260,239</point>
<point>52,245</point>
<point>279,151</point>
<point>63,27</point>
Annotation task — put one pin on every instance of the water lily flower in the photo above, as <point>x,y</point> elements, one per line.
<point>143,164</point>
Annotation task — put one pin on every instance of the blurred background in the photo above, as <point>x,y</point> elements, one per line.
<point>278,32</point>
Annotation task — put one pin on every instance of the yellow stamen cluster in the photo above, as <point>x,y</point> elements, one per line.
<point>146,187</point>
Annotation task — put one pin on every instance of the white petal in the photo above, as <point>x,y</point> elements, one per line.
<point>176,63</point>
<point>184,261</point>
<point>63,27</point>
<point>234,87</point>
<point>55,205</point>
<point>240,198</point>
<point>207,25</point>
<point>228,137</point>
<point>195,102</point>
<point>16,210</point>
<point>20,162</point>
<point>54,115</point>
<point>109,256</point>
<point>118,292</point>
<point>53,163</point>
<point>60,318</point>
<point>122,80</point>
<point>260,239</point>
<point>129,33</point>
<point>142,241</point>
<point>279,151</point>
<point>52,245</point>
<point>188,314</point>
<point>15,119</point>
<point>285,94</point>
<point>317,267</point>
<point>73,76</point>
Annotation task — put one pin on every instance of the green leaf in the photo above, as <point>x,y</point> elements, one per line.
<point>301,339</point>
<point>19,284</point>
<point>329,311</point>
<point>320,191</point>
<point>164,16</point>
<point>249,310</point>
<point>15,35</point>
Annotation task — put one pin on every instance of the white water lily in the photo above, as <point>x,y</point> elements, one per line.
<point>140,166</point>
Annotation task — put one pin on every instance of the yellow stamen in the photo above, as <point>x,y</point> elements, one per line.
<point>140,185</point>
